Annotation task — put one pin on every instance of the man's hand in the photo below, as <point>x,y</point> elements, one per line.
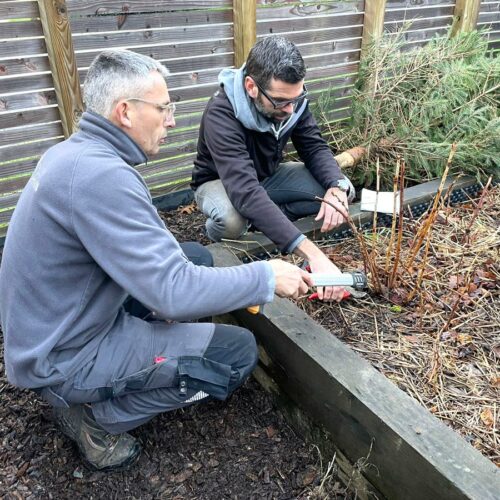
<point>333,215</point>
<point>325,265</point>
<point>291,281</point>
<point>320,263</point>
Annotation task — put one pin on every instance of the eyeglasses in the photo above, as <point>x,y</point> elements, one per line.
<point>279,104</point>
<point>167,109</point>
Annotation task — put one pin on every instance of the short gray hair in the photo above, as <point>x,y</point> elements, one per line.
<point>118,74</point>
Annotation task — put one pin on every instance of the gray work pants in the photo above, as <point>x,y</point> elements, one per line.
<point>144,368</point>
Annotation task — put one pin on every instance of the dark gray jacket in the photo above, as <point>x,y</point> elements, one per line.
<point>83,236</point>
<point>239,146</point>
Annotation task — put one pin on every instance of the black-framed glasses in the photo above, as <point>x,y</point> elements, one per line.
<point>167,109</point>
<point>280,104</point>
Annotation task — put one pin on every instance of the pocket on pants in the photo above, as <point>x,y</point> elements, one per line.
<point>204,374</point>
<point>157,376</point>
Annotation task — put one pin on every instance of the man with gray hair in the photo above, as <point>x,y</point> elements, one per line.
<point>90,274</point>
<point>239,176</point>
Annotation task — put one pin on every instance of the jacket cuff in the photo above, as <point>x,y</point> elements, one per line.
<point>294,244</point>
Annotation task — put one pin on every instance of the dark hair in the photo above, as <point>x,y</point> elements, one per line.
<point>275,57</point>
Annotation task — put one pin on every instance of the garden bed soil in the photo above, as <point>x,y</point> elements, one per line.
<point>451,369</point>
<point>238,449</point>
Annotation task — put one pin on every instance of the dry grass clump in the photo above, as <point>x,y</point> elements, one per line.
<point>431,323</point>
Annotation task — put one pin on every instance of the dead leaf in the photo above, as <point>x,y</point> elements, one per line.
<point>495,382</point>
<point>487,417</point>
<point>271,432</point>
<point>308,478</point>
<point>464,339</point>
<point>455,281</point>
<point>182,476</point>
<point>188,209</point>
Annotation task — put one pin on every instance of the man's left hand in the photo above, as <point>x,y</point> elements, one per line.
<point>334,215</point>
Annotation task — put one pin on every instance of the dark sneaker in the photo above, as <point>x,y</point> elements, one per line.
<point>101,450</point>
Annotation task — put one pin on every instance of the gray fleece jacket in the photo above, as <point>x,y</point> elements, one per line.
<point>84,236</point>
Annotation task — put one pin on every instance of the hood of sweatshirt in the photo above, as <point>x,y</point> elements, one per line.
<point>245,110</point>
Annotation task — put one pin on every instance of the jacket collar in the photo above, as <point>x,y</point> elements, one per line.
<point>104,131</point>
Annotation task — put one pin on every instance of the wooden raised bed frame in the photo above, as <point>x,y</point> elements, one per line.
<point>405,451</point>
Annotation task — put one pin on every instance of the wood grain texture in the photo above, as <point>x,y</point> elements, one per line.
<point>18,10</point>
<point>245,31</point>
<point>466,16</point>
<point>56,28</point>
<point>29,117</point>
<point>373,24</point>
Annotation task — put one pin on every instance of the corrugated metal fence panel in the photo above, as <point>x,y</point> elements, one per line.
<point>194,40</point>
<point>328,35</point>
<point>29,119</point>
<point>489,18</point>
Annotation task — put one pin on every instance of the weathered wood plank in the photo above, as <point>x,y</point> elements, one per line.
<point>177,35</point>
<point>10,136</point>
<point>81,23</point>
<point>26,65</point>
<point>167,51</point>
<point>487,7</point>
<point>164,167</point>
<point>245,15</point>
<point>26,101</point>
<point>425,12</point>
<point>466,14</point>
<point>317,36</point>
<point>332,59</point>
<point>18,118</point>
<point>24,166</point>
<point>417,5</point>
<point>310,24</point>
<point>23,151</point>
<point>56,28</point>
<point>25,83</point>
<point>329,47</point>
<point>18,10</point>
<point>14,49</point>
<point>114,7</point>
<point>14,185</point>
<point>202,77</point>
<point>219,61</point>
<point>373,24</point>
<point>187,93</point>
<point>298,10</point>
<point>28,28</point>
<point>488,17</point>
<point>420,25</point>
<point>8,201</point>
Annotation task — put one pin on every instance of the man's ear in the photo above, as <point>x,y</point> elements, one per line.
<point>251,87</point>
<point>122,114</point>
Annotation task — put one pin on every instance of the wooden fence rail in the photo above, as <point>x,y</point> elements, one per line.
<point>46,47</point>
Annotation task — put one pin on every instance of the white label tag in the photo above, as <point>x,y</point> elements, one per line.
<point>383,203</point>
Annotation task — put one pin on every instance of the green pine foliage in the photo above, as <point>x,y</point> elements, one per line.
<point>416,103</point>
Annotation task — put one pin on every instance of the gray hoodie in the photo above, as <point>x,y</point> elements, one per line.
<point>84,236</point>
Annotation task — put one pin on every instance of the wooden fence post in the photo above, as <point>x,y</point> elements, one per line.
<point>245,29</point>
<point>465,16</point>
<point>373,23</point>
<point>57,32</point>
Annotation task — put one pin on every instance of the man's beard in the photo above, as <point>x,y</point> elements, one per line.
<point>274,115</point>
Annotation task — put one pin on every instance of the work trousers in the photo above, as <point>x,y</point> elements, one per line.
<point>171,366</point>
<point>292,188</point>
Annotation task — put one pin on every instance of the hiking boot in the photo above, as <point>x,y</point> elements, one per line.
<point>101,450</point>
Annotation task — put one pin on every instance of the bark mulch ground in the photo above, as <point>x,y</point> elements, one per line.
<point>238,449</point>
